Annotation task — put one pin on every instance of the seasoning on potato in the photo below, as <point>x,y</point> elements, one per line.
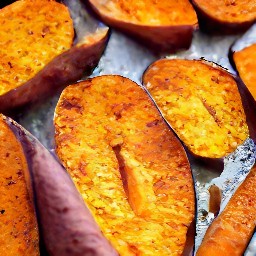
<point>37,55</point>
<point>162,25</point>
<point>242,56</point>
<point>19,231</point>
<point>201,103</point>
<point>226,17</point>
<point>246,67</point>
<point>130,168</point>
<point>66,225</point>
<point>32,34</point>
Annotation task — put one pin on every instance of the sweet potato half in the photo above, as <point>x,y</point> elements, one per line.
<point>36,53</point>
<point>66,226</point>
<point>131,170</point>
<point>229,16</point>
<point>19,231</point>
<point>246,66</point>
<point>201,103</point>
<point>163,25</point>
<point>243,56</point>
<point>231,231</point>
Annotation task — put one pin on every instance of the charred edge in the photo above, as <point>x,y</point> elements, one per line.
<point>215,200</point>
<point>5,3</point>
<point>249,105</point>
<point>250,241</point>
<point>215,165</point>
<point>27,142</point>
<point>190,239</point>
<point>211,25</point>
<point>122,170</point>
<point>231,53</point>
<point>160,113</point>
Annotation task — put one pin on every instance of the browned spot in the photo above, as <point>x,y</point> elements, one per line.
<point>153,123</point>
<point>72,105</point>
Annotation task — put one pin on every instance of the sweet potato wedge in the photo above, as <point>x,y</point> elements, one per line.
<point>243,56</point>
<point>19,232</point>
<point>231,231</point>
<point>37,57</point>
<point>131,169</point>
<point>225,17</point>
<point>201,103</point>
<point>66,225</point>
<point>163,25</point>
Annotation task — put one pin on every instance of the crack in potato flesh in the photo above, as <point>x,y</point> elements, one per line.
<point>129,167</point>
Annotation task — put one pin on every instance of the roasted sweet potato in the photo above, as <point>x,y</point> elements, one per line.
<point>36,57</point>
<point>245,61</point>
<point>225,17</point>
<point>66,225</point>
<point>243,56</point>
<point>232,230</point>
<point>163,25</point>
<point>131,170</point>
<point>19,232</point>
<point>201,103</point>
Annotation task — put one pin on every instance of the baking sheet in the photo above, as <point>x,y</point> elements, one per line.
<point>125,57</point>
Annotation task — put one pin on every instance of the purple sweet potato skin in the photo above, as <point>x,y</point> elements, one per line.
<point>211,25</point>
<point>64,69</point>
<point>66,225</point>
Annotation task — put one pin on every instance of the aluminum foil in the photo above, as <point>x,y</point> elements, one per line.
<point>125,57</point>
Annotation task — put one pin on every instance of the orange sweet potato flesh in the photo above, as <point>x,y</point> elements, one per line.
<point>159,24</point>
<point>31,36</point>
<point>245,64</point>
<point>201,103</point>
<point>228,15</point>
<point>129,167</point>
<point>232,230</point>
<point>37,60</point>
<point>19,233</point>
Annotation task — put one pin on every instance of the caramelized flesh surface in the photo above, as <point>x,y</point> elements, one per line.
<point>148,12</point>
<point>232,230</point>
<point>130,169</point>
<point>19,234</point>
<point>245,61</point>
<point>229,10</point>
<point>201,103</point>
<point>32,33</point>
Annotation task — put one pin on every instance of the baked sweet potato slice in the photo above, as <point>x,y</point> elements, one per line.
<point>131,169</point>
<point>229,16</point>
<point>163,25</point>
<point>31,36</point>
<point>231,231</point>
<point>19,232</point>
<point>66,225</point>
<point>201,103</point>
<point>245,62</point>
<point>36,53</point>
<point>243,56</point>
